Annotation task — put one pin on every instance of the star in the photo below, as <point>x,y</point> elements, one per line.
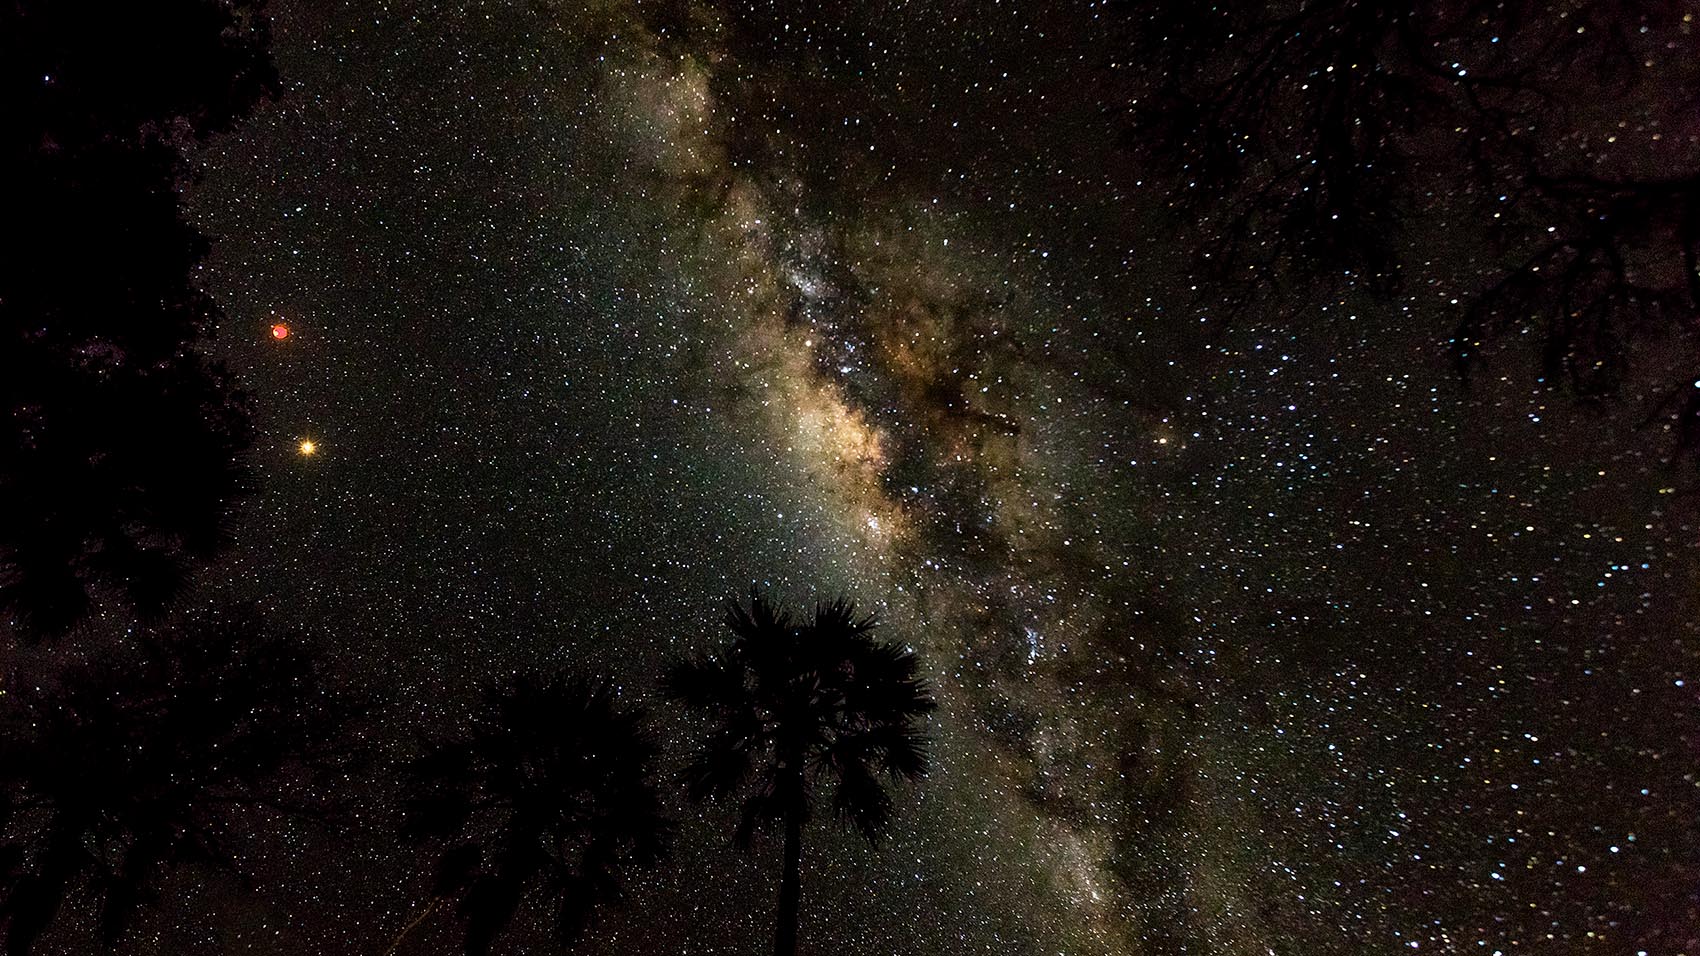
<point>308,448</point>
<point>280,331</point>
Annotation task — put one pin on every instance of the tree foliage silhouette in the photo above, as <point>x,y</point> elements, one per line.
<point>551,791</point>
<point>795,706</point>
<point>113,775</point>
<point>1301,136</point>
<point>120,443</point>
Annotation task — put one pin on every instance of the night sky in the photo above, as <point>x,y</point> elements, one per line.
<point>1263,636</point>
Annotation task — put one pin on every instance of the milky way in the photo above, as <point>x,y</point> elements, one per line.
<point>1261,640</point>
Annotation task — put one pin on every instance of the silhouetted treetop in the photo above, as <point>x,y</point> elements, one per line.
<point>549,790</point>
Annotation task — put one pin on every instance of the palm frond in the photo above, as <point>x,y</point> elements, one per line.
<point>759,621</point>
<point>839,619</point>
<point>860,800</point>
<point>490,905</point>
<point>723,766</point>
<point>711,684</point>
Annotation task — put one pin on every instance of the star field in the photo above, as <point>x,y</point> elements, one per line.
<point>1260,634</point>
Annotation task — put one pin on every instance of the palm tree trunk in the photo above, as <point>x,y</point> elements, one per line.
<point>790,887</point>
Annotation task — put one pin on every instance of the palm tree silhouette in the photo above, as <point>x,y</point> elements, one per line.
<point>794,706</point>
<point>114,775</point>
<point>550,787</point>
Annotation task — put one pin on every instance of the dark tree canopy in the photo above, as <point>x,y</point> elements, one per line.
<point>1298,134</point>
<point>549,791</point>
<point>120,447</point>
<point>113,775</point>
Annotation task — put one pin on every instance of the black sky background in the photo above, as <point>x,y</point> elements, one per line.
<point>1254,636</point>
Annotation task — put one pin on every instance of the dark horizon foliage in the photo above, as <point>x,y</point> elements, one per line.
<point>1304,140</point>
<point>550,790</point>
<point>120,454</point>
<point>115,774</point>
